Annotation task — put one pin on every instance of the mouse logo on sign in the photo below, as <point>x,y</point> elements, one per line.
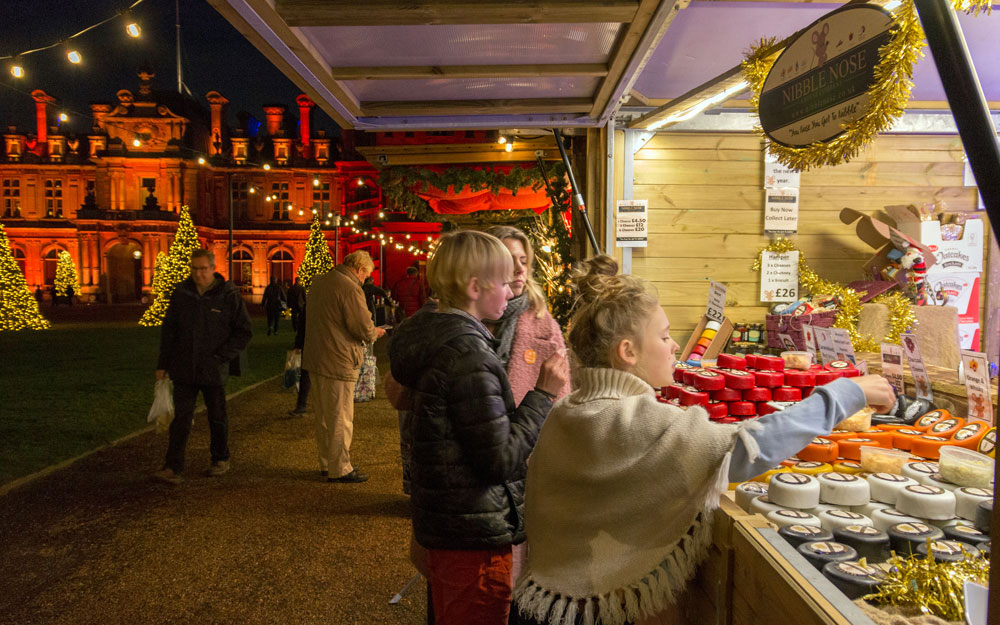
<point>820,44</point>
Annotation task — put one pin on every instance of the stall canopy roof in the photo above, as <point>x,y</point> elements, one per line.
<point>440,64</point>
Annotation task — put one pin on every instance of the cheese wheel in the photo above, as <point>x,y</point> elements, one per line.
<point>838,365</point>
<point>673,391</point>
<point>905,537</point>
<point>847,466</point>
<point>798,534</point>
<point>820,450</point>
<point>854,579</point>
<point>928,502</point>
<point>800,378</point>
<point>751,360</point>
<point>726,394</point>
<point>687,375</point>
<point>968,498</point>
<point>819,553</point>
<point>870,508</point>
<point>742,408</point>
<point>988,443</point>
<point>732,361</point>
<point>786,393</point>
<point>935,479</point>
<point>925,421</point>
<point>697,350</point>
<point>970,434</point>
<point>766,475</point>
<point>769,379</point>
<point>704,342</point>
<point>919,470</point>
<point>809,467</point>
<point>947,427</point>
<point>885,487</point>
<point>837,435</point>
<point>709,333</point>
<point>770,363</point>
<point>765,407</point>
<point>691,396</point>
<point>889,517</point>
<point>711,324</point>
<point>903,439</point>
<point>826,376</point>
<point>984,548</point>
<point>746,492</point>
<point>946,523</point>
<point>707,380</point>
<point>843,489</point>
<point>836,519</point>
<point>946,550</point>
<point>870,542</point>
<point>679,369</point>
<point>851,373</point>
<point>888,424</point>
<point>763,504</point>
<point>782,518</point>
<point>984,516</point>
<point>928,446</point>
<point>806,391</point>
<point>737,379</point>
<point>883,438</point>
<point>793,490</point>
<point>717,410</point>
<point>850,448</point>
<point>757,393</point>
<point>965,534</point>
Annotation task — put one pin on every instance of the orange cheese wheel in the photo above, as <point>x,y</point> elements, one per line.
<point>928,419</point>
<point>883,438</point>
<point>820,450</point>
<point>846,466</point>
<point>947,427</point>
<point>891,427</point>
<point>836,435</point>
<point>970,434</point>
<point>903,439</point>
<point>850,448</point>
<point>791,462</point>
<point>929,446</point>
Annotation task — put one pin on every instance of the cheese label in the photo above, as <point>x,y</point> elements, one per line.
<point>912,528</point>
<point>969,431</point>
<point>850,464</point>
<point>946,547</point>
<point>856,570</point>
<point>989,442</point>
<point>805,529</point>
<point>708,374</point>
<point>820,441</point>
<point>840,477</point>
<point>976,492</point>
<point>792,478</point>
<point>793,514</point>
<point>827,548</point>
<point>861,529</point>
<point>966,529</point>
<point>808,465</point>
<point>860,440</point>
<point>737,372</point>
<point>840,364</point>
<point>929,418</point>
<point>933,438</point>
<point>944,425</point>
<point>753,487</point>
<point>924,467</point>
<point>923,489</point>
<point>889,477</point>
<point>909,431</point>
<point>844,514</point>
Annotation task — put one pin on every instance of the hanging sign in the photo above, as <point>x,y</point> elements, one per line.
<point>781,210</point>
<point>778,176</point>
<point>892,367</point>
<point>977,385</point>
<point>779,276</point>
<point>632,223</point>
<point>822,79</point>
<point>920,378</point>
<point>716,302</point>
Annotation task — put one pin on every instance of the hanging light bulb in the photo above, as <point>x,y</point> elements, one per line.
<point>361,182</point>
<point>327,222</point>
<point>136,142</point>
<point>407,237</point>
<point>63,117</point>
<point>253,189</point>
<point>329,214</point>
<point>381,214</point>
<point>267,198</point>
<point>509,147</point>
<point>501,139</point>
<point>267,167</point>
<point>201,160</point>
<point>73,54</point>
<point>131,26</point>
<point>16,68</point>
<point>300,212</point>
<point>315,182</point>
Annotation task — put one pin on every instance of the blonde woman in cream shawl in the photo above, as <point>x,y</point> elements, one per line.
<point>620,487</point>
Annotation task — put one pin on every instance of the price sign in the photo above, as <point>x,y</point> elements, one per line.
<point>632,224</point>
<point>917,368</point>
<point>779,276</point>
<point>843,345</point>
<point>716,302</point>
<point>825,344</point>
<point>892,367</point>
<point>977,385</point>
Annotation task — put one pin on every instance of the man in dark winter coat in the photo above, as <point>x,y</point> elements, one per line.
<point>274,304</point>
<point>205,329</point>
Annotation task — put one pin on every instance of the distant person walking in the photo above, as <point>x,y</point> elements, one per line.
<point>371,292</point>
<point>274,303</point>
<point>409,292</point>
<point>204,330</point>
<point>296,302</point>
<point>338,325</point>
<point>302,397</point>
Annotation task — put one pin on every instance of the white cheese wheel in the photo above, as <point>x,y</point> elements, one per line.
<point>935,479</point>
<point>887,517</point>
<point>833,520</point>
<point>967,499</point>
<point>886,486</point>
<point>763,504</point>
<point>794,490</point>
<point>843,489</point>
<point>869,508</point>
<point>747,491</point>
<point>782,518</point>
<point>919,470</point>
<point>928,502</point>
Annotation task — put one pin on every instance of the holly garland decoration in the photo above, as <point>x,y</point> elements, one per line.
<point>174,270</point>
<point>18,307</point>
<point>318,259</point>
<point>66,275</point>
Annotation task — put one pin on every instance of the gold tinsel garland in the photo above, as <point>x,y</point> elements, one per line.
<point>932,587</point>
<point>901,317</point>
<point>887,96</point>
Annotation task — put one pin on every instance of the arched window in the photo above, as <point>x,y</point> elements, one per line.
<point>242,269</point>
<point>281,266</point>
<point>19,258</point>
<point>51,260</point>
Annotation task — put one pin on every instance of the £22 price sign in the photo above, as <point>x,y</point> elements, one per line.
<point>716,302</point>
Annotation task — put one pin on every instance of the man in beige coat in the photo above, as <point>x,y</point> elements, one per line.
<point>337,326</point>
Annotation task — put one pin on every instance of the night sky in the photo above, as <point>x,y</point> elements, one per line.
<point>214,57</point>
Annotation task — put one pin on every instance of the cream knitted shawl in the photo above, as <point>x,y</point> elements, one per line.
<point>619,495</point>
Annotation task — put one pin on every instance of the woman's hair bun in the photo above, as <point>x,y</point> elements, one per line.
<point>596,278</point>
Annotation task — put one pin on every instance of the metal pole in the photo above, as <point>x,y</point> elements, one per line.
<point>231,226</point>
<point>576,193</point>
<point>177,12</point>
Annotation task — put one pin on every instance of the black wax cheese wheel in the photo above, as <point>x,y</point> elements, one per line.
<point>984,548</point>
<point>946,550</point>
<point>965,534</point>
<point>853,579</point>
<point>904,537</point>
<point>882,419</point>
<point>798,534</point>
<point>984,512</point>
<point>871,543</point>
<point>819,553</point>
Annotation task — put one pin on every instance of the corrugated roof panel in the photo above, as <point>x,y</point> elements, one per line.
<point>472,88</point>
<point>353,46</point>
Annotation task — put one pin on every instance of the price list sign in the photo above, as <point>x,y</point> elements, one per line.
<point>716,302</point>
<point>779,276</point>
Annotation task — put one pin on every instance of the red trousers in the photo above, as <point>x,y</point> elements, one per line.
<point>470,587</point>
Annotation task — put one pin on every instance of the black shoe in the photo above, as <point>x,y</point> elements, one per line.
<point>296,413</point>
<point>351,478</point>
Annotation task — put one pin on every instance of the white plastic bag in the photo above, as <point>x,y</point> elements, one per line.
<point>162,411</point>
<point>293,368</point>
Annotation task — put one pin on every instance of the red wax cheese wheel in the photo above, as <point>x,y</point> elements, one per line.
<point>850,448</point>
<point>786,393</point>
<point>757,393</point>
<point>730,361</point>
<point>717,410</point>
<point>687,375</point>
<point>928,419</point>
<point>727,394</point>
<point>820,450</point>
<point>697,350</point>
<point>691,396</point>
<point>825,377</point>
<point>883,438</point>
<point>770,363</point>
<point>673,391</point>
<point>707,380</point>
<point>764,408</point>
<point>751,360</point>
<point>737,379</point>
<point>903,439</point>
<point>800,378</point>
<point>929,446</point>
<point>838,365</point>
<point>947,427</point>
<point>851,373</point>
<point>768,378</point>
<point>742,408</point>
<point>807,391</point>
<point>970,435</point>
<point>662,399</point>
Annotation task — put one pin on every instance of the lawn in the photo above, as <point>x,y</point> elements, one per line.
<point>78,386</point>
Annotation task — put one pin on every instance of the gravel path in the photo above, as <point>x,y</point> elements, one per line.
<point>270,542</point>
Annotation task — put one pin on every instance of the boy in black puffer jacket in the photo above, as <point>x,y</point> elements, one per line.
<point>470,442</point>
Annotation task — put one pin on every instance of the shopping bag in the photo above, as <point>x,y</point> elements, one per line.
<point>293,368</point>
<point>365,388</point>
<point>162,411</point>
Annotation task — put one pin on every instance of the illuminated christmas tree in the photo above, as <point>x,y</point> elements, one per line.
<point>159,269</point>
<point>173,270</point>
<point>66,275</point>
<point>318,259</point>
<point>18,308</point>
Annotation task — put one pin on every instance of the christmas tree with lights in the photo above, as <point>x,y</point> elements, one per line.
<point>173,270</point>
<point>158,273</point>
<point>66,275</point>
<point>318,259</point>
<point>18,308</point>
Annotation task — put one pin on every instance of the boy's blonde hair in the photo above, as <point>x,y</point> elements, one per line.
<point>360,260</point>
<point>609,307</point>
<point>531,288</point>
<point>462,256</point>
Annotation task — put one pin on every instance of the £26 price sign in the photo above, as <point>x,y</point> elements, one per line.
<point>779,276</point>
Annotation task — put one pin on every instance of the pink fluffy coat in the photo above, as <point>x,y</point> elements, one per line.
<point>535,339</point>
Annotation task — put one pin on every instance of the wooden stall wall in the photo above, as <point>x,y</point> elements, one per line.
<point>706,202</point>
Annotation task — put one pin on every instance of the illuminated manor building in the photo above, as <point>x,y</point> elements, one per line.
<point>112,197</point>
